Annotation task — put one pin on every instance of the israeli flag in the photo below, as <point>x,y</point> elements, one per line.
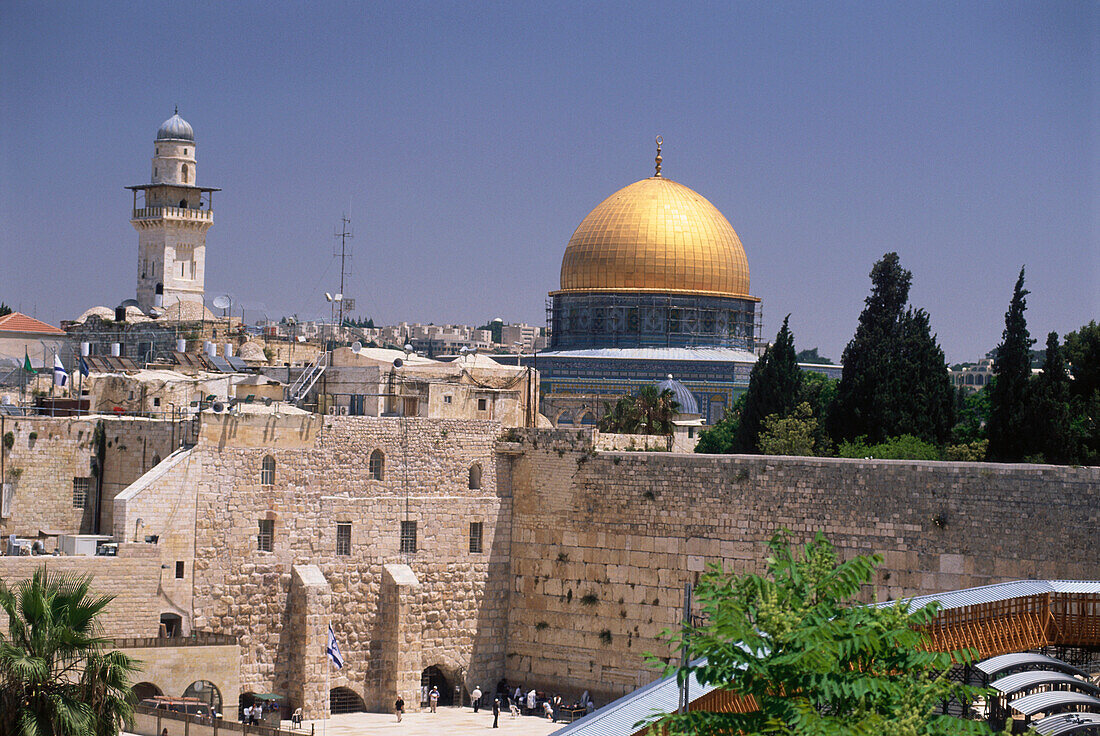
<point>60,375</point>
<point>333,649</point>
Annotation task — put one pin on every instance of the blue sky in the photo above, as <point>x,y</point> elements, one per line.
<point>466,142</point>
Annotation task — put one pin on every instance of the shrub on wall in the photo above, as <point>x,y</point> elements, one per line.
<point>906,447</point>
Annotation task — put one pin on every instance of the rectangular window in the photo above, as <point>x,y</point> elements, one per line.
<point>475,537</point>
<point>408,537</point>
<point>446,398</point>
<point>179,569</point>
<point>81,486</point>
<point>343,539</point>
<point>482,404</point>
<point>265,540</point>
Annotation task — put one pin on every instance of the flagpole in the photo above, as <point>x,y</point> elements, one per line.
<point>328,698</point>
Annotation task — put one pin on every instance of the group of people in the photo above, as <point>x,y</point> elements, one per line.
<point>253,714</point>
<point>518,702</point>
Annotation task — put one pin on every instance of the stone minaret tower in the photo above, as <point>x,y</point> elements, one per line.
<point>172,217</point>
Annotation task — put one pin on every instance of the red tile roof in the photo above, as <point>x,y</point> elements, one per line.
<point>19,322</point>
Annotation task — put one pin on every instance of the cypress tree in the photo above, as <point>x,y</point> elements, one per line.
<point>1008,402</point>
<point>773,389</point>
<point>864,405</point>
<point>1082,351</point>
<point>922,391</point>
<point>1050,413</point>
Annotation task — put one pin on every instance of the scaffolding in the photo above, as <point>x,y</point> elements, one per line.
<point>601,320</point>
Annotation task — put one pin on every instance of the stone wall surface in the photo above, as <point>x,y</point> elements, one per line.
<point>132,578</point>
<point>604,542</point>
<point>42,469</point>
<point>174,668</point>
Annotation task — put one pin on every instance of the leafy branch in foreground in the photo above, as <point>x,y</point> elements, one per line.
<point>796,644</point>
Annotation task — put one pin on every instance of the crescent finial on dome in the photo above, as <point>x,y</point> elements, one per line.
<point>660,140</point>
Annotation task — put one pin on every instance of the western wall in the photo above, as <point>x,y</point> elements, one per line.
<point>603,542</point>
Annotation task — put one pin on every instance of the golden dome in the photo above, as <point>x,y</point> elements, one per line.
<point>656,236</point>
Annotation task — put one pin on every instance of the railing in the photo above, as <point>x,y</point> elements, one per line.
<point>148,213</point>
<point>195,640</point>
<point>153,721</point>
<point>298,390</point>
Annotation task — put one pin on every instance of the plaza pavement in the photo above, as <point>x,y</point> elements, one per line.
<point>446,721</point>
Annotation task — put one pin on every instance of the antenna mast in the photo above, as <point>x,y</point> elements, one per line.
<point>345,260</point>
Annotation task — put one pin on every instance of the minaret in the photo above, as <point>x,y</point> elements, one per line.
<point>171,219</point>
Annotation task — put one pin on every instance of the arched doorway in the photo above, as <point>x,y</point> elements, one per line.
<point>434,677</point>
<point>171,625</point>
<point>344,700</point>
<point>144,690</point>
<point>207,692</point>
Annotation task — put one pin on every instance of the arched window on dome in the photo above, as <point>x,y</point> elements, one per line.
<point>184,173</point>
<point>588,419</point>
<point>267,471</point>
<point>475,477</point>
<point>377,465</point>
<point>565,419</point>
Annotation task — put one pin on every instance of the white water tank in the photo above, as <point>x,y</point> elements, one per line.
<point>181,346</point>
<point>116,349</point>
<point>228,350</point>
<point>85,349</point>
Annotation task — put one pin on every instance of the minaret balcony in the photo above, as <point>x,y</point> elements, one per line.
<point>173,213</point>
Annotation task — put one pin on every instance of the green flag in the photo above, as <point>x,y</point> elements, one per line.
<point>27,362</point>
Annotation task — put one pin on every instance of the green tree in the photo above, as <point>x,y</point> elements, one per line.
<point>814,661</point>
<point>774,386</point>
<point>1009,435</point>
<point>4,309</point>
<point>621,417</point>
<point>656,409</point>
<point>1050,409</point>
<point>812,356</point>
<point>905,447</point>
<point>895,379</point>
<point>819,391</point>
<point>56,674</point>
<point>972,414</point>
<point>864,405</point>
<point>720,438</point>
<point>1082,351</point>
<point>789,435</point>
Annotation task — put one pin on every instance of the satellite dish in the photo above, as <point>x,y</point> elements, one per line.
<point>222,302</point>
<point>218,406</point>
<point>397,362</point>
<point>356,346</point>
<point>267,401</point>
<point>339,297</point>
<point>408,348</point>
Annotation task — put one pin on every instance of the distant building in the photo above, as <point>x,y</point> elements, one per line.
<point>24,337</point>
<point>972,376</point>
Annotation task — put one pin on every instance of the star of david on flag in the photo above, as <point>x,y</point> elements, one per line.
<point>333,649</point>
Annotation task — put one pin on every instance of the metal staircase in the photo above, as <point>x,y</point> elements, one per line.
<point>297,391</point>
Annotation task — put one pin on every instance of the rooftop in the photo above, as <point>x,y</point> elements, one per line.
<point>19,322</point>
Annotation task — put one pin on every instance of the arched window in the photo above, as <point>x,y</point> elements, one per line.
<point>183,204</point>
<point>565,419</point>
<point>267,472</point>
<point>377,465</point>
<point>184,172</point>
<point>156,460</point>
<point>588,418</point>
<point>344,700</point>
<point>475,477</point>
<point>144,690</point>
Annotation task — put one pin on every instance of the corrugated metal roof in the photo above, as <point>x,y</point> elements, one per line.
<point>1002,592</point>
<point>619,717</point>
<point>1034,678</point>
<point>722,355</point>
<point>1066,723</point>
<point>995,665</point>
<point>1042,702</point>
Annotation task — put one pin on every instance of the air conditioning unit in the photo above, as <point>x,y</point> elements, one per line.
<point>343,411</point>
<point>331,410</point>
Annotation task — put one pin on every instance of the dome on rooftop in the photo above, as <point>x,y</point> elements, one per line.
<point>680,392</point>
<point>656,236</point>
<point>175,128</point>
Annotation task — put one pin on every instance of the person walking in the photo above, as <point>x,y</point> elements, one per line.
<point>476,697</point>
<point>496,711</point>
<point>399,707</point>
<point>433,698</point>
